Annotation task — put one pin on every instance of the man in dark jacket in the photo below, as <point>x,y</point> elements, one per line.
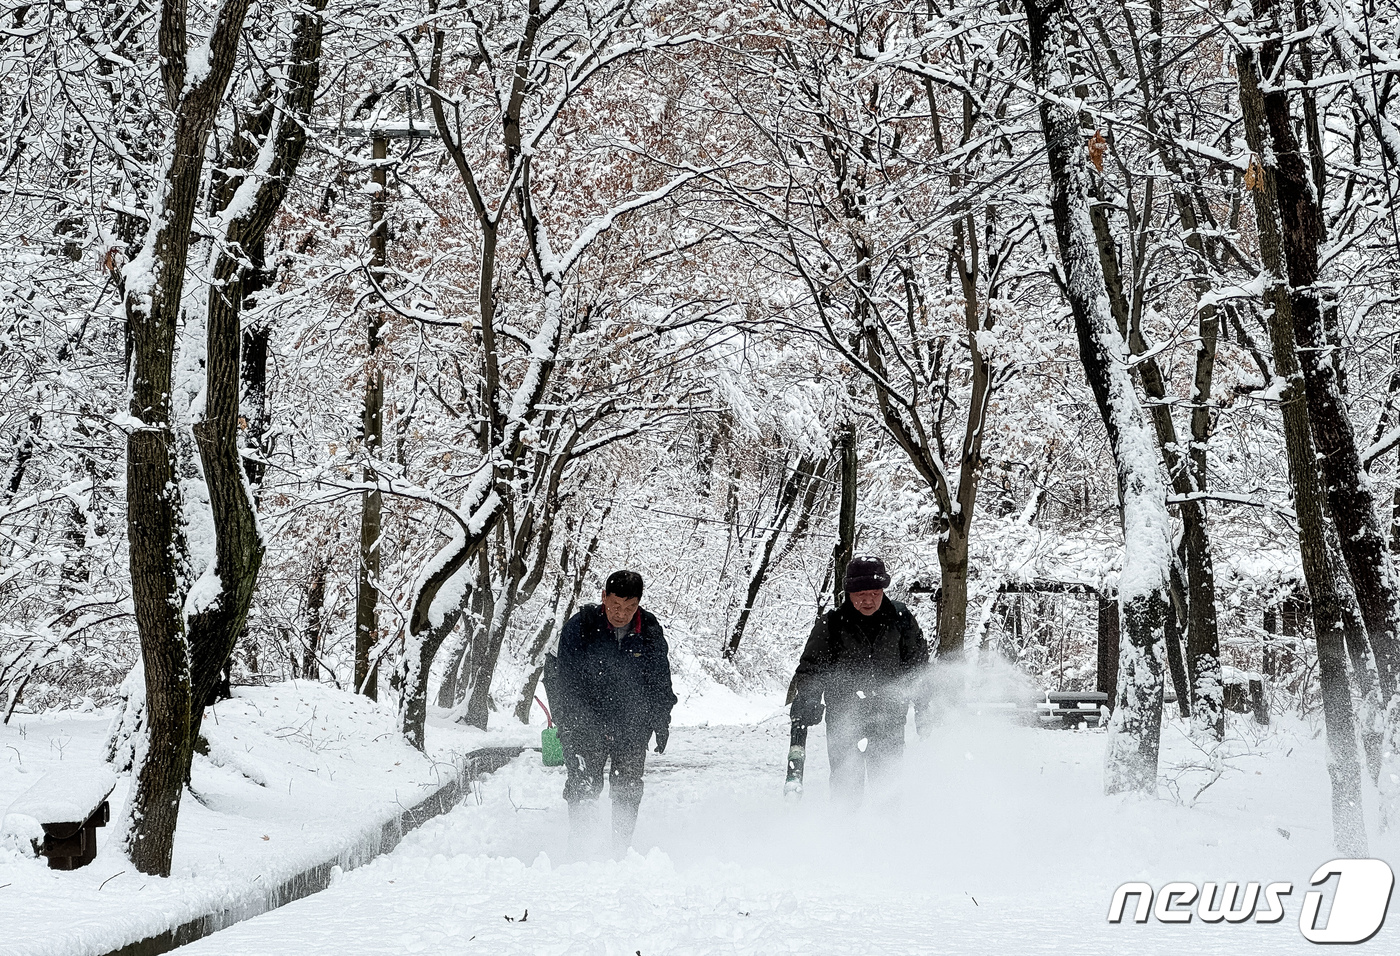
<point>869,659</point>
<point>613,686</point>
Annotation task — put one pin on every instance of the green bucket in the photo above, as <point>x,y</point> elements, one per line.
<point>550,749</point>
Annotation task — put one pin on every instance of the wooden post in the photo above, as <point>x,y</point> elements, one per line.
<point>1108,648</point>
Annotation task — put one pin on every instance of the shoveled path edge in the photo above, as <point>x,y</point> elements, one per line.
<point>316,878</point>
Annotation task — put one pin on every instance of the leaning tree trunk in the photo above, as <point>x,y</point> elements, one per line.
<point>415,700</point>
<point>1352,503</point>
<point>1135,730</point>
<point>255,193</point>
<point>451,673</point>
<point>1207,693</point>
<point>1186,465</point>
<point>1336,614</point>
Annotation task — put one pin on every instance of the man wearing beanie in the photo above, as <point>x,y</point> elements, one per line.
<point>869,660</point>
<point>611,691</point>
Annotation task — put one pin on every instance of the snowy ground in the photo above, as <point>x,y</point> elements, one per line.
<point>1002,842</point>
<point>297,773</point>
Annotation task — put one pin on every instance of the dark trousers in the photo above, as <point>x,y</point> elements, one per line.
<point>883,733</point>
<point>619,758</point>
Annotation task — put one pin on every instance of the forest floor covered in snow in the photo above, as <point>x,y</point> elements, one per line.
<point>1001,842</point>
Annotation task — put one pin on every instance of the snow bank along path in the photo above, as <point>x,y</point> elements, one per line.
<point>300,780</point>
<point>1002,843</point>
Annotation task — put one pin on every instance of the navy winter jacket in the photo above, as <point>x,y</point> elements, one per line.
<point>609,687</point>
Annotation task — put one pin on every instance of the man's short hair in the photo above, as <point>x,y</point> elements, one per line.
<point>624,584</point>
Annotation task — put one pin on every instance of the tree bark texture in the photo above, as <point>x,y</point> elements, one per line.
<point>1176,665</point>
<point>153,528</point>
<point>845,547</point>
<point>239,548</point>
<point>1336,614</point>
<point>254,371</point>
<point>372,428</point>
<point>1352,501</point>
<point>1109,633</point>
<point>315,619</point>
<point>1135,730</point>
<point>183,660</point>
<point>154,283</point>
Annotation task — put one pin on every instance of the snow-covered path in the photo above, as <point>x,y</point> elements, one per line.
<point>1003,844</point>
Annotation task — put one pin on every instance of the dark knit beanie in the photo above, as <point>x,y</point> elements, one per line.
<point>624,584</point>
<point>866,574</point>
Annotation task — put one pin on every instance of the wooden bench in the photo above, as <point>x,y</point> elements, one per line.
<point>1068,709</point>
<point>60,814</point>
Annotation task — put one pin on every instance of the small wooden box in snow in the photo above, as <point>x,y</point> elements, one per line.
<point>60,814</point>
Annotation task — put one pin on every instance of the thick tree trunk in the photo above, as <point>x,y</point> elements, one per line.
<point>153,529</point>
<point>1336,614</point>
<point>1186,465</point>
<point>414,705</point>
<point>952,607</point>
<point>1351,500</point>
<point>154,284</point>
<point>1135,730</point>
<point>1206,698</point>
<point>448,690</point>
<point>1109,633</point>
<point>213,631</point>
<point>239,549</point>
<point>478,713</point>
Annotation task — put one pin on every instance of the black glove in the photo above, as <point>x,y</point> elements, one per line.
<point>807,711</point>
<point>662,735</point>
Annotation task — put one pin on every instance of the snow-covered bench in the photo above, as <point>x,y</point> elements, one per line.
<point>59,816</point>
<point>1071,708</point>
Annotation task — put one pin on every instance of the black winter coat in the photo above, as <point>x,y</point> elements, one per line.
<point>876,665</point>
<point>610,688</point>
